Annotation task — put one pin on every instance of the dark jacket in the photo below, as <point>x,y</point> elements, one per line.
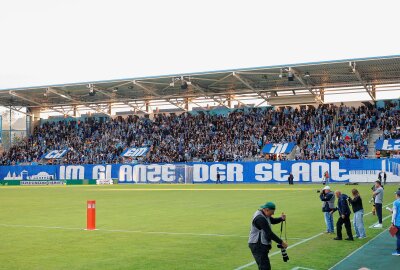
<point>290,178</point>
<point>343,206</point>
<point>356,204</point>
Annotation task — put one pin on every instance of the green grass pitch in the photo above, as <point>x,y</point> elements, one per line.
<point>165,226</point>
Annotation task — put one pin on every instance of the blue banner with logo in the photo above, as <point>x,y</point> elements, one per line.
<point>278,148</point>
<point>387,145</point>
<point>135,152</point>
<point>344,171</point>
<point>55,154</point>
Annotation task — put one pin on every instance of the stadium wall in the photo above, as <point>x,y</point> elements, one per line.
<point>202,172</point>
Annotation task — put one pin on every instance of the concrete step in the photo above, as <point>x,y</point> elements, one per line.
<point>373,136</point>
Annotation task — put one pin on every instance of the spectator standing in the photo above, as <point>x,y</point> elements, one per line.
<point>290,179</point>
<point>358,210</point>
<point>326,178</point>
<point>384,178</point>
<point>378,195</point>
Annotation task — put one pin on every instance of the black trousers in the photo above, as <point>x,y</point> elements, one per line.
<point>378,208</point>
<point>347,225</point>
<point>260,254</point>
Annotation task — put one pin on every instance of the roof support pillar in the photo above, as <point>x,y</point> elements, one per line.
<point>187,104</point>
<point>373,91</point>
<point>230,101</point>
<point>322,94</point>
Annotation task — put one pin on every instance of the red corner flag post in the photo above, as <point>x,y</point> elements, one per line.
<point>91,215</point>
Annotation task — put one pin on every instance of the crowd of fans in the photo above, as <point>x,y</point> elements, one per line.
<point>316,124</point>
<point>390,121</point>
<point>350,138</point>
<point>239,135</point>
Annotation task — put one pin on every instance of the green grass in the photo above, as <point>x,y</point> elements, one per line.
<point>191,209</point>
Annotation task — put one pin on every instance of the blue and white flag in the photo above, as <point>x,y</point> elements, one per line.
<point>135,152</point>
<point>55,154</point>
<point>387,145</point>
<point>278,148</point>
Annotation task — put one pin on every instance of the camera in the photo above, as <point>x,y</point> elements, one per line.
<point>285,257</point>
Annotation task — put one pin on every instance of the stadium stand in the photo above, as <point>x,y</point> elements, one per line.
<point>325,132</point>
<point>349,139</point>
<point>389,121</point>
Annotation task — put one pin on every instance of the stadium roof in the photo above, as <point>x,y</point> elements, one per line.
<point>302,83</point>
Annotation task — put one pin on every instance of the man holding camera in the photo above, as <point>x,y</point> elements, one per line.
<point>261,235</point>
<point>328,204</point>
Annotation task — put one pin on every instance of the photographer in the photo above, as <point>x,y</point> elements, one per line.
<point>328,204</point>
<point>261,235</point>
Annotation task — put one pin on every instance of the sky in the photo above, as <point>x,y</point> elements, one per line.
<point>46,42</point>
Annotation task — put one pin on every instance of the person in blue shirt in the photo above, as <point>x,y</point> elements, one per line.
<point>396,221</point>
<point>344,216</point>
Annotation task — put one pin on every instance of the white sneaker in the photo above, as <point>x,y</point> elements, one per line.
<point>378,226</point>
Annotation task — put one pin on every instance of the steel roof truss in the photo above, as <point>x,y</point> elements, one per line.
<point>297,75</point>
<point>154,93</point>
<point>247,83</point>
<point>367,87</point>
<point>34,102</point>
<point>95,108</point>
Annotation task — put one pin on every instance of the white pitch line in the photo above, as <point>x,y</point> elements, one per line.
<point>356,250</point>
<point>176,233</point>
<point>40,227</point>
<point>134,231</point>
<point>278,252</point>
<point>126,231</point>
